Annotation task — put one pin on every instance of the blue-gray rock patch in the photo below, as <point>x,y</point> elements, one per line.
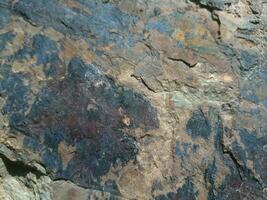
<point>198,125</point>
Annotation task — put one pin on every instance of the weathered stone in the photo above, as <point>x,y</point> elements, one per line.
<point>76,111</point>
<point>143,99</point>
<point>215,4</point>
<point>186,192</point>
<point>3,170</point>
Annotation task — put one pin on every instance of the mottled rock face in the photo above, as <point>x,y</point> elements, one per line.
<point>127,99</point>
<point>88,113</point>
<point>198,125</point>
<point>215,4</point>
<point>84,113</point>
<point>186,192</point>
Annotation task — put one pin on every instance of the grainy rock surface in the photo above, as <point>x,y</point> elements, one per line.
<point>133,99</point>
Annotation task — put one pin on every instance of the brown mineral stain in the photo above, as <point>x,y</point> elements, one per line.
<point>199,37</point>
<point>126,120</point>
<point>53,34</point>
<point>69,50</point>
<point>132,179</point>
<point>21,30</point>
<point>107,47</point>
<point>76,48</point>
<point>121,111</point>
<point>74,4</point>
<point>180,36</point>
<point>227,78</point>
<point>250,164</point>
<point>202,193</point>
<point>68,191</point>
<point>201,31</point>
<point>70,3</point>
<point>9,140</point>
<point>165,44</point>
<point>29,66</point>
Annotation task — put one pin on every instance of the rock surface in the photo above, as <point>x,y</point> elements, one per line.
<point>133,99</point>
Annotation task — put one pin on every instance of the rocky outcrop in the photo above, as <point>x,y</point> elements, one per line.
<point>133,99</point>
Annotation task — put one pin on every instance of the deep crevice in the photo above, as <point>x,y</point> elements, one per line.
<point>208,7</point>
<point>240,169</point>
<point>19,168</point>
<point>214,16</point>
<point>26,18</point>
<point>139,78</point>
<point>183,61</point>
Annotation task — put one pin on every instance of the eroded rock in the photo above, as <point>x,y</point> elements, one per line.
<point>133,99</point>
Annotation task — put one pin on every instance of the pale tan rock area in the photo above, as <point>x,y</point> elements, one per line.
<point>133,99</point>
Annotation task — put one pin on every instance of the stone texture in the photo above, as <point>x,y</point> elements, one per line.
<point>133,99</point>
